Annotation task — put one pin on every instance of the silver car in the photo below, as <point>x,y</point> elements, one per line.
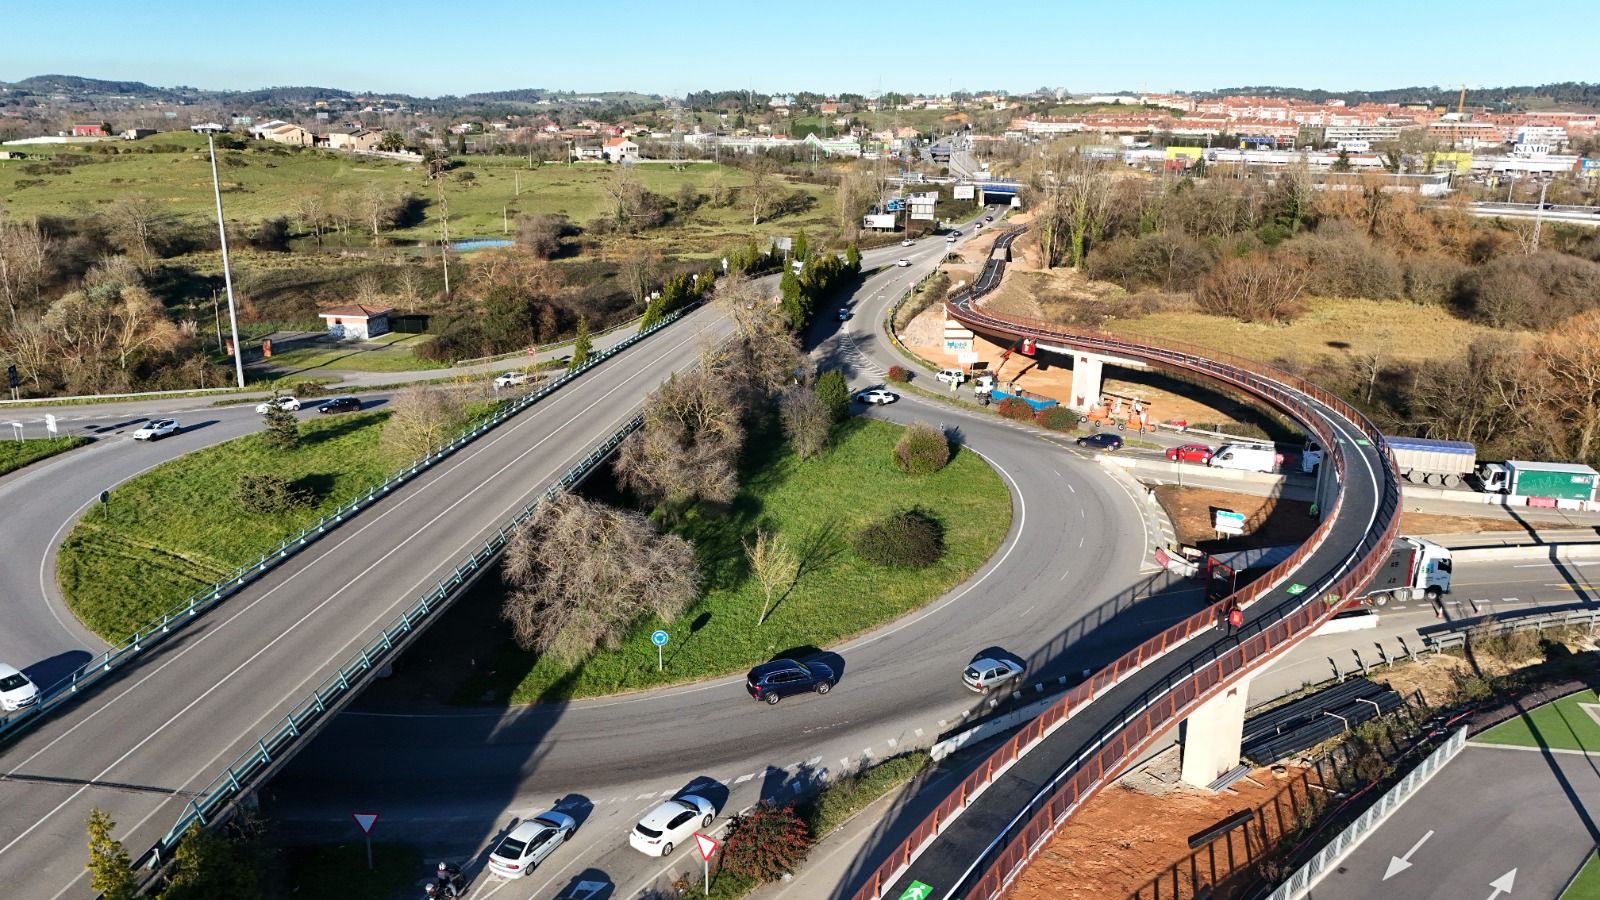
<point>519,852</point>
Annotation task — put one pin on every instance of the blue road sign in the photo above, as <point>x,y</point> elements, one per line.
<point>658,637</point>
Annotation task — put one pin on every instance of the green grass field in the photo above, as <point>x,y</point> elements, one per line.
<point>1587,885</point>
<point>1560,725</point>
<point>264,181</point>
<point>16,454</point>
<point>339,871</point>
<point>817,504</point>
<point>392,353</point>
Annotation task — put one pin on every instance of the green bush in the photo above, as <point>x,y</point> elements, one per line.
<point>921,450</point>
<point>834,393</point>
<point>264,492</point>
<point>906,539</point>
<point>1014,408</point>
<point>1058,418</point>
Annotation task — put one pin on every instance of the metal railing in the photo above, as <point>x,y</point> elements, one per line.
<point>1298,885</point>
<point>279,742</point>
<point>1493,625</point>
<point>174,618</point>
<point>1144,719</point>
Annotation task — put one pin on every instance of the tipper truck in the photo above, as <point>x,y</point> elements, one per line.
<point>1557,481</point>
<point>1420,460</point>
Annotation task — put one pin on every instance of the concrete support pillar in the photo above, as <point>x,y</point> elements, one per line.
<point>1327,486</point>
<point>1211,735</point>
<point>1086,380</point>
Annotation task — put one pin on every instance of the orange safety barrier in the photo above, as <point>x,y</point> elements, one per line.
<point>1128,737</point>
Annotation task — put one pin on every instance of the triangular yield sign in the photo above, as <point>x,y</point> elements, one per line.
<point>366,821</point>
<point>707,845</point>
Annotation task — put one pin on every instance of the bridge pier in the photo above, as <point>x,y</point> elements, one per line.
<point>1212,735</point>
<point>1087,380</point>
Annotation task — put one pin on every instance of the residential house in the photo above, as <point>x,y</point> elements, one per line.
<point>356,321</point>
<point>260,132</point>
<point>88,131</point>
<point>362,140</point>
<point>620,149</point>
<point>292,135</point>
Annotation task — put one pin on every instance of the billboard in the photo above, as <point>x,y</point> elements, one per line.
<point>1589,168</point>
<point>1445,161</point>
<point>965,192</point>
<point>883,220</point>
<point>922,205</point>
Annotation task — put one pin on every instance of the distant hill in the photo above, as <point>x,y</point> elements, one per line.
<point>1572,93</point>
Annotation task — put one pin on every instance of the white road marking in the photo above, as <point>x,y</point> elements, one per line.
<point>813,760</point>
<point>743,778</point>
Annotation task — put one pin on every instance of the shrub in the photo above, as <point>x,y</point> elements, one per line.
<point>1347,264</point>
<point>1432,278</point>
<point>906,539</point>
<point>1014,408</point>
<point>308,389</point>
<point>264,492</point>
<point>834,393</point>
<point>1255,288</point>
<point>1534,291</point>
<point>766,843</point>
<point>899,374</point>
<point>921,450</point>
<point>1058,418</point>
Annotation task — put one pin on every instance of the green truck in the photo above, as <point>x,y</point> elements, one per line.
<point>1556,481</point>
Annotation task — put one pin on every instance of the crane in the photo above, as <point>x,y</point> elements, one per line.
<point>1461,102</point>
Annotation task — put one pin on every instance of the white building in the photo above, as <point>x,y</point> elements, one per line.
<point>1371,134</point>
<point>356,321</point>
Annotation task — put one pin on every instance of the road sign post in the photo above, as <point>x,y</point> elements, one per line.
<point>707,845</point>
<point>365,821</point>
<point>50,423</point>
<point>659,638</point>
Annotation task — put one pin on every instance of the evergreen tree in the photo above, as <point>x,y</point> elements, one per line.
<point>461,145</point>
<point>794,302</point>
<point>801,248</point>
<point>852,258</point>
<point>108,860</point>
<point>834,393</point>
<point>582,345</point>
<point>283,431</point>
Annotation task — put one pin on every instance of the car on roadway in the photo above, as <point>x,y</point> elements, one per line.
<point>977,225</point>
<point>902,262</point>
<point>908,242</point>
<point>16,690</point>
<point>951,376</point>
<point>156,428</point>
<point>1102,441</point>
<point>986,673</point>
<point>1195,453</point>
<point>339,405</point>
<point>670,824</point>
<point>876,396</point>
<point>521,851</point>
<point>289,403</point>
<point>952,235</point>
<point>772,681</point>
<point>844,313</point>
<point>988,218</point>
<point>510,379</point>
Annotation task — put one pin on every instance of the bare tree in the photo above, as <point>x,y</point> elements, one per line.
<point>807,421</point>
<point>312,212</point>
<point>688,448</point>
<point>1255,288</point>
<point>638,272</point>
<point>25,252</point>
<point>138,224</point>
<point>583,572</point>
<point>1570,359</point>
<point>408,284</point>
<point>774,565</point>
<point>142,326</point>
<point>424,417</point>
<point>764,188</point>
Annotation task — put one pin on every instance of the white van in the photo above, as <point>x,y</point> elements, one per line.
<point>1247,458</point>
<point>951,376</point>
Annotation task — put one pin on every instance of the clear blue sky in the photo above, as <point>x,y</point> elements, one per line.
<point>674,46</point>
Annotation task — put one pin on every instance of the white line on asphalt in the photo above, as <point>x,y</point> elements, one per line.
<point>743,778</point>
<point>1071,488</point>
<point>1024,615</point>
<point>813,760</point>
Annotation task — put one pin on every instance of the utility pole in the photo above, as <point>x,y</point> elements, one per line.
<point>1538,216</point>
<point>444,244</point>
<point>227,273</point>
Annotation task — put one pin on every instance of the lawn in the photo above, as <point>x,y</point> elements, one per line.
<point>1587,885</point>
<point>817,505</point>
<point>16,454</point>
<point>388,353</point>
<point>1561,725</point>
<point>264,180</point>
<point>339,871</point>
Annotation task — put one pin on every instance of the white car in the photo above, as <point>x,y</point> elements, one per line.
<point>519,852</point>
<point>902,262</point>
<point>951,238</point>
<point>951,376</point>
<point>510,379</point>
<point>158,428</point>
<point>16,691</point>
<point>908,242</point>
<point>877,396</point>
<point>984,674</point>
<point>289,403</point>
<point>670,824</point>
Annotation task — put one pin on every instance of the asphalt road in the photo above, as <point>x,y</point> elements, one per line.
<point>1493,824</point>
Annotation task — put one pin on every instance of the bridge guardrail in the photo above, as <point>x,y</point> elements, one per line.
<point>1115,743</point>
<point>237,778</point>
<point>176,617</point>
<point>542,348</point>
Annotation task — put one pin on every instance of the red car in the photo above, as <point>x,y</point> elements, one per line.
<point>1195,453</point>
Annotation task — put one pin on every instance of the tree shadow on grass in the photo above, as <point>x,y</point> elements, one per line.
<point>315,487</point>
<point>339,428</point>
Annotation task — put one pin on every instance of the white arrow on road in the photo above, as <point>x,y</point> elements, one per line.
<point>1398,864</point>
<point>1502,885</point>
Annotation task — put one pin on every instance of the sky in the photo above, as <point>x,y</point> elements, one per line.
<point>672,47</point>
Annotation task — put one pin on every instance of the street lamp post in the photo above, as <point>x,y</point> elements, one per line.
<point>227,273</point>
<point>1538,216</point>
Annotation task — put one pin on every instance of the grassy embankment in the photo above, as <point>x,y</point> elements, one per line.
<point>817,505</point>
<point>16,454</point>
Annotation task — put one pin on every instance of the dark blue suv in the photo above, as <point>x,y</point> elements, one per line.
<point>772,681</point>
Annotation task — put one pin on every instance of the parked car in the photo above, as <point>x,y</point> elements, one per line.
<point>156,428</point>
<point>16,690</point>
<point>289,403</point>
<point>339,405</point>
<point>984,673</point>
<point>1101,441</point>
<point>902,262</point>
<point>521,851</point>
<point>952,376</point>
<point>877,396</point>
<point>1195,453</point>
<point>772,681</point>
<point>670,824</point>
<point>510,379</point>
<point>908,242</point>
